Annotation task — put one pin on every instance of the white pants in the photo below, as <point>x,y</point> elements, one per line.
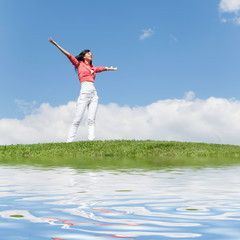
<point>88,98</point>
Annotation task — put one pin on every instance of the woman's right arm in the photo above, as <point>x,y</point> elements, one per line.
<point>61,49</point>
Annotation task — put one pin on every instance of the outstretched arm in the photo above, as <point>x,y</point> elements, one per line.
<point>61,49</point>
<point>101,69</point>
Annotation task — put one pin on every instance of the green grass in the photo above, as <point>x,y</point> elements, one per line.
<point>120,148</point>
<point>119,153</point>
<point>16,216</point>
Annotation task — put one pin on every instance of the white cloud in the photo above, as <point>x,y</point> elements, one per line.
<point>234,20</point>
<point>25,107</point>
<point>146,33</point>
<point>214,120</point>
<point>189,95</point>
<point>229,6</point>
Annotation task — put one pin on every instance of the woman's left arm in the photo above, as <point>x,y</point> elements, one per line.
<point>101,69</point>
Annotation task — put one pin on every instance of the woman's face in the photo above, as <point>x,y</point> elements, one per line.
<point>88,56</point>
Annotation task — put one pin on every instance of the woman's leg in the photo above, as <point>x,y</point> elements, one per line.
<point>82,103</point>
<point>92,110</point>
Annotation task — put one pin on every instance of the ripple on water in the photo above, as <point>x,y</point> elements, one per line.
<point>67,204</point>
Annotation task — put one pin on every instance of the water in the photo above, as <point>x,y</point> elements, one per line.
<point>66,203</point>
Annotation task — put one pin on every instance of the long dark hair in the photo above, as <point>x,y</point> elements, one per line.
<point>81,55</point>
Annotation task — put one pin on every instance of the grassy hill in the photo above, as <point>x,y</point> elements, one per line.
<point>121,153</point>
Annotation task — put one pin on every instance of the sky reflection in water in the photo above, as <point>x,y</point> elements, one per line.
<point>65,203</point>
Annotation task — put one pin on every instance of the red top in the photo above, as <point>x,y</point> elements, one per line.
<point>85,72</point>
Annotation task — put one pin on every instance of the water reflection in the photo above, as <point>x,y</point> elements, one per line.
<point>66,203</point>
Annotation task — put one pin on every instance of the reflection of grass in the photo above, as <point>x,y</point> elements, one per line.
<point>16,216</point>
<point>123,190</point>
<point>121,153</point>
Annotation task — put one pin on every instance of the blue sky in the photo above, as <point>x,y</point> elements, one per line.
<point>177,78</point>
<point>190,47</point>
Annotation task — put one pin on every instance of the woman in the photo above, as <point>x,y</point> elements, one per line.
<point>88,96</point>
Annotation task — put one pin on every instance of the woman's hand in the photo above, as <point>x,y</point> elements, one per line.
<point>50,40</point>
<point>111,68</point>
